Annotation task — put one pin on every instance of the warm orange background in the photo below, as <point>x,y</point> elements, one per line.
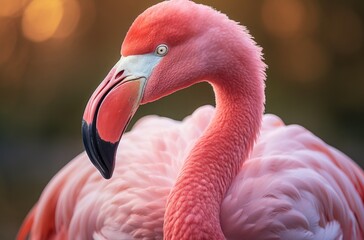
<point>53,54</point>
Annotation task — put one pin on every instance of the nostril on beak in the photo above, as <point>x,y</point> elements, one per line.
<point>119,74</point>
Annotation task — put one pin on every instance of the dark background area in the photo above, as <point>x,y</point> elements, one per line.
<point>54,53</point>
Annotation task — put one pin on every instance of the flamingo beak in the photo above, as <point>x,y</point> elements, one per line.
<point>107,115</point>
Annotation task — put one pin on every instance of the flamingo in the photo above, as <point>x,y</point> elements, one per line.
<point>228,172</point>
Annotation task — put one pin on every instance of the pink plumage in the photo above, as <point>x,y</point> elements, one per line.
<point>228,172</point>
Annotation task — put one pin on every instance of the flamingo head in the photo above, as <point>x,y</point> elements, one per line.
<point>170,46</point>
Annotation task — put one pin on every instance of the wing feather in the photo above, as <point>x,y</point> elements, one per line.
<point>293,186</point>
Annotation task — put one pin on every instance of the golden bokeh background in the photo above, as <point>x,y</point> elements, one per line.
<point>53,54</point>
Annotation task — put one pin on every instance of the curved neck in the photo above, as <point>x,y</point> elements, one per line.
<point>193,207</point>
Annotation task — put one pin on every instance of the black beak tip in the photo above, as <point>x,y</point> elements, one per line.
<point>101,153</point>
<point>106,174</point>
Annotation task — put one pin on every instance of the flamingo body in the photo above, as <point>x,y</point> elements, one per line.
<point>305,191</point>
<point>221,173</point>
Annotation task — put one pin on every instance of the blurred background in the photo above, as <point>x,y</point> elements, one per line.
<point>54,53</point>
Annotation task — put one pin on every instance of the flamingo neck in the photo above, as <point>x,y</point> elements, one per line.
<point>193,207</point>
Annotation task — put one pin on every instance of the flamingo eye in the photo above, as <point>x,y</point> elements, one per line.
<point>161,50</point>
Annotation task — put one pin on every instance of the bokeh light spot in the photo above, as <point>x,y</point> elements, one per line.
<point>11,8</point>
<point>70,19</point>
<point>283,18</point>
<point>41,19</point>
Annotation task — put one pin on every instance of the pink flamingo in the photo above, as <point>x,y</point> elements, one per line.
<point>228,172</point>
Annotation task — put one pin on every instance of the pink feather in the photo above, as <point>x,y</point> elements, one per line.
<point>228,172</point>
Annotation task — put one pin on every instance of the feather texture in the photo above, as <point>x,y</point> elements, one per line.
<point>305,191</point>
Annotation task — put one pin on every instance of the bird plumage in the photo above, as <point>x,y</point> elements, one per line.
<point>305,191</point>
<point>225,171</point>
